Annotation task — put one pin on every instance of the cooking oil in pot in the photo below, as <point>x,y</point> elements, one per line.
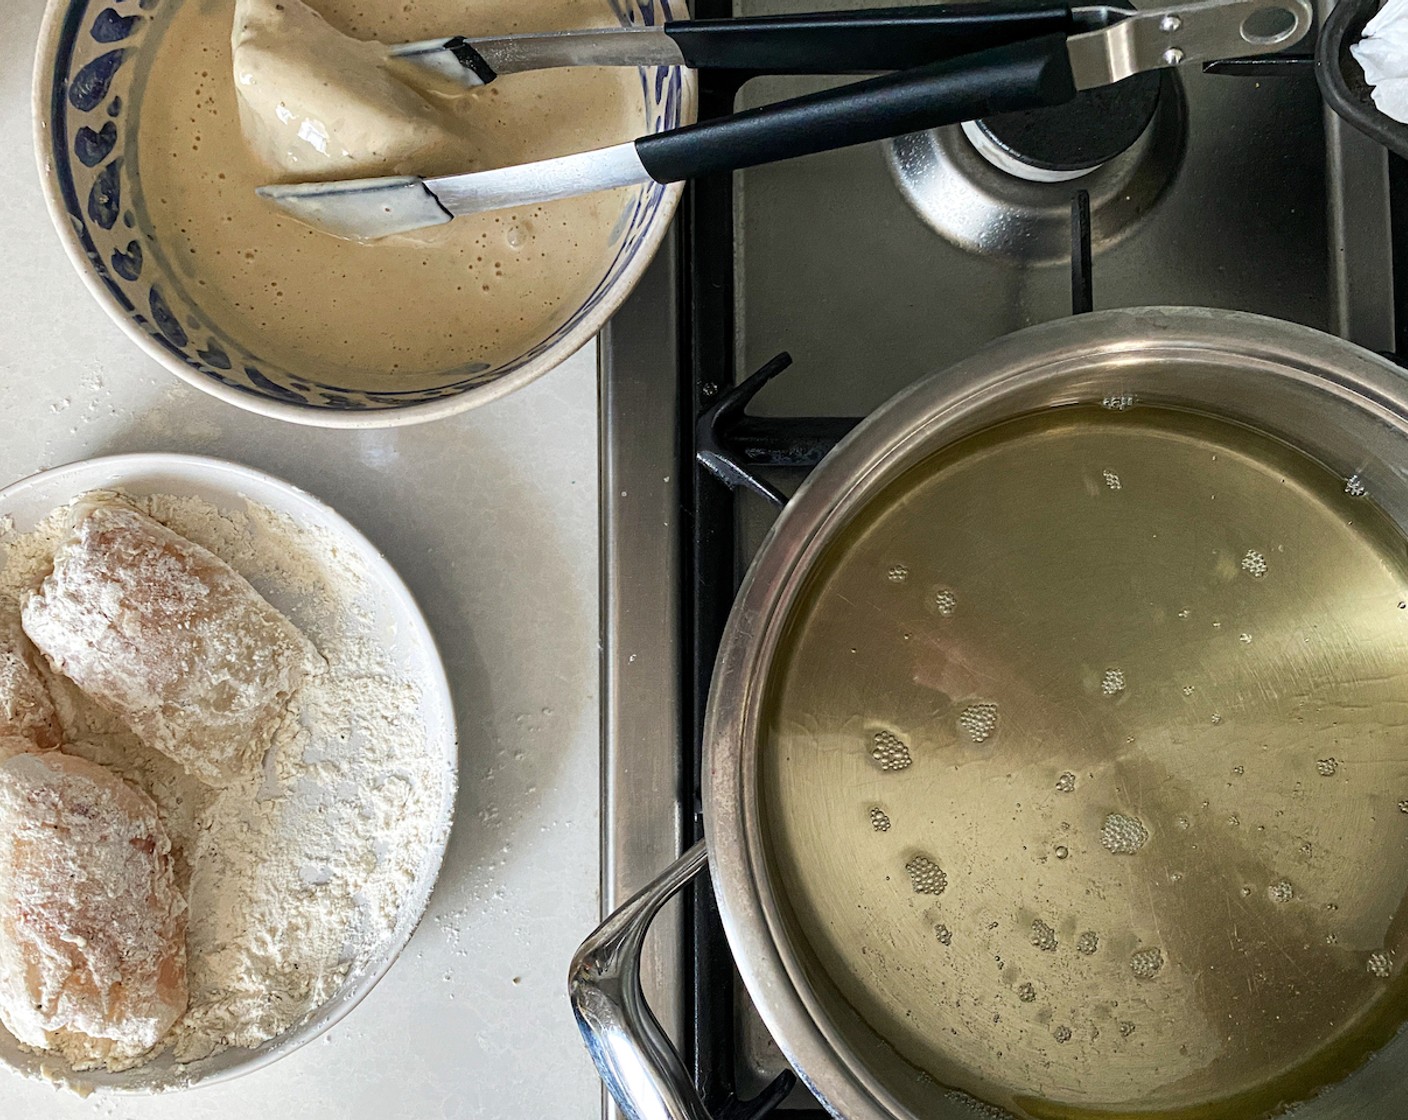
<point>1102,807</point>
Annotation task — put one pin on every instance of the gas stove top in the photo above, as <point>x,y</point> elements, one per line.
<point>872,267</point>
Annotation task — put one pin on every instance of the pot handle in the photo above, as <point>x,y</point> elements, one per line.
<point>632,1053</point>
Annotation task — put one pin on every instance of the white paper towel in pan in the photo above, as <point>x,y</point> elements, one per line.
<point>1383,53</point>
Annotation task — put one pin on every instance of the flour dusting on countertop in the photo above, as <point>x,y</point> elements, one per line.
<point>297,875</point>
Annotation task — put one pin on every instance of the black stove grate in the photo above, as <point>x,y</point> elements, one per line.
<point>710,573</point>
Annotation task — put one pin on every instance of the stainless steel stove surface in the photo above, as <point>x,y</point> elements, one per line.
<point>873,266</point>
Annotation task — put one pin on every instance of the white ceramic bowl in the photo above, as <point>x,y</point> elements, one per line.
<point>91,57</point>
<point>406,639</point>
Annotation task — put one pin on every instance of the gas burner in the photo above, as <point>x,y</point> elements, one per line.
<point>998,186</point>
<point>1067,141</point>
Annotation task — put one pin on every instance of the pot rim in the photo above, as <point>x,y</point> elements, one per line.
<point>41,100</point>
<point>900,433</point>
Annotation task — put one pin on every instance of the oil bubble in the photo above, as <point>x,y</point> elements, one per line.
<point>978,722</point>
<point>890,751</point>
<point>1043,936</point>
<point>926,876</point>
<point>978,1108</point>
<point>1146,963</point>
<point>1123,835</point>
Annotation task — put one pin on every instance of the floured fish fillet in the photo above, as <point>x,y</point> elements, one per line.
<point>11,745</point>
<point>170,638</point>
<point>26,709</point>
<point>317,104</point>
<point>92,924</point>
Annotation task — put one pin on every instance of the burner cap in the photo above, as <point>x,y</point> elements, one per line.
<point>1065,141</point>
<point>958,183</point>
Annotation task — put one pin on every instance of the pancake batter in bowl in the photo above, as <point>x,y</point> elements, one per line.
<point>477,290</point>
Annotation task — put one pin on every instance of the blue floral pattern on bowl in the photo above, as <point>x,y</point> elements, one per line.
<point>92,80</point>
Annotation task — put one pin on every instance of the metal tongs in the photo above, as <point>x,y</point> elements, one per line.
<point>940,65</point>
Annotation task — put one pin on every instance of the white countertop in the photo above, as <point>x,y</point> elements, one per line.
<point>491,518</point>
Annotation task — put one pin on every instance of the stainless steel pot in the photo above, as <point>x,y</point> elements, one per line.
<point>1343,406</point>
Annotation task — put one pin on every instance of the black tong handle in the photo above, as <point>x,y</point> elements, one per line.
<point>867,41</point>
<point>1030,74</point>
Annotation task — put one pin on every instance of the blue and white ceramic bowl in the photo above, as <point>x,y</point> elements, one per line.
<point>91,54</point>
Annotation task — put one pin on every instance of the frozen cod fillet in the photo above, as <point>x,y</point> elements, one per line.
<point>92,924</point>
<point>26,709</point>
<point>171,639</point>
